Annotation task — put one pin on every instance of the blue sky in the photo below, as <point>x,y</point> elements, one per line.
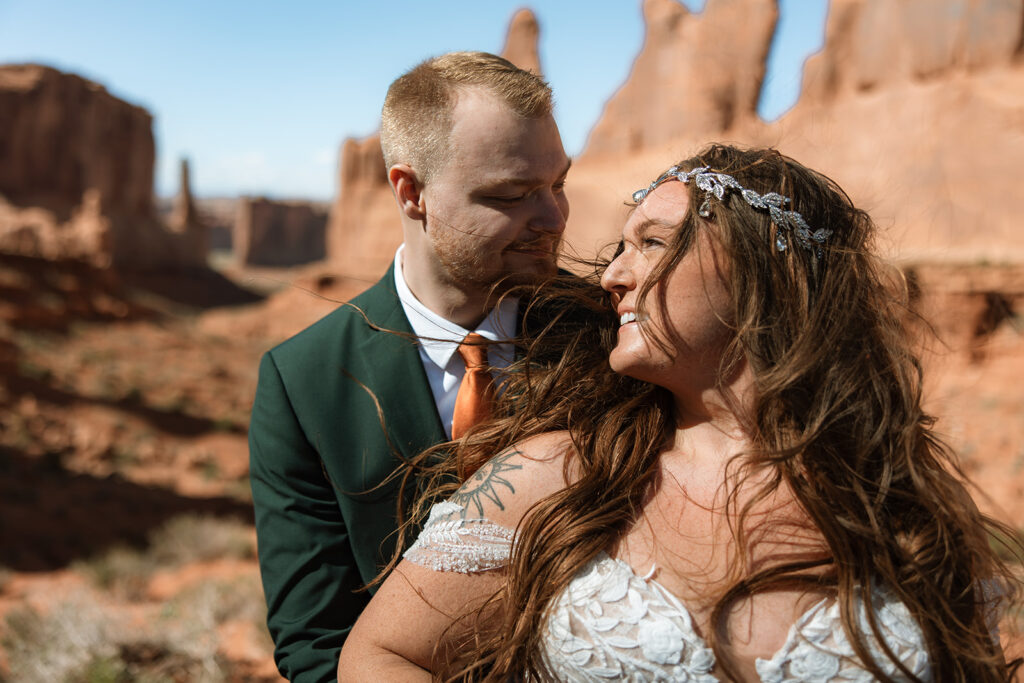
<point>259,95</point>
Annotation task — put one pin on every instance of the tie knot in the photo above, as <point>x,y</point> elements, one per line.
<point>473,350</point>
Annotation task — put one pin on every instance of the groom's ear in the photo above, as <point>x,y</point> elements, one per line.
<point>408,191</point>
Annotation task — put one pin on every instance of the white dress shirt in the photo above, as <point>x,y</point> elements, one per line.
<point>440,339</point>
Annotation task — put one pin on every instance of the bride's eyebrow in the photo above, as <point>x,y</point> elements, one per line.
<point>652,225</point>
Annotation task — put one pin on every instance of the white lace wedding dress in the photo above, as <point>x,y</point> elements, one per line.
<point>611,624</point>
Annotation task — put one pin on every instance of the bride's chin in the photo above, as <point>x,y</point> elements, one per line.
<point>626,364</point>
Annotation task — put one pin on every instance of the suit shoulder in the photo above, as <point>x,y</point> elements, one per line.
<point>338,325</point>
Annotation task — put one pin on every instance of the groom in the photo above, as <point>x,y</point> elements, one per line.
<point>477,168</point>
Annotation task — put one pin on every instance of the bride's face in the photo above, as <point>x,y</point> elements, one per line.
<point>692,325</point>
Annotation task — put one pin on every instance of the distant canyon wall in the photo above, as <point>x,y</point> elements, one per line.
<point>278,233</point>
<point>76,176</point>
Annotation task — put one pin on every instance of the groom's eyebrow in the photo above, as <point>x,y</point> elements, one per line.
<point>531,182</point>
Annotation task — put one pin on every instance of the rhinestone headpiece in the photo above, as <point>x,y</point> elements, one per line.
<point>719,184</point>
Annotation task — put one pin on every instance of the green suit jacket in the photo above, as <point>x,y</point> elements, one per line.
<point>318,453</point>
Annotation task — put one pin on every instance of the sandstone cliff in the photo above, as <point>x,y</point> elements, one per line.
<point>274,233</point>
<point>913,107</point>
<point>363,229</point>
<point>76,174</point>
<point>696,72</point>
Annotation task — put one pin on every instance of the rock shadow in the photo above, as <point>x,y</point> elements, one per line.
<point>54,294</point>
<point>201,288</point>
<point>51,517</point>
<point>173,423</point>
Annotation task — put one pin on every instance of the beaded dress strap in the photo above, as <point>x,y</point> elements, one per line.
<point>451,542</point>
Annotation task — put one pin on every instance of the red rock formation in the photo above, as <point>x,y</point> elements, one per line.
<point>186,221</point>
<point>913,107</point>
<point>700,73</point>
<point>874,44</point>
<point>364,230</point>
<point>53,124</point>
<point>521,41</point>
<point>271,233</point>
<point>76,174</point>
<point>927,137</point>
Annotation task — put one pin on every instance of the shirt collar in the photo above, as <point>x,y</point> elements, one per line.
<point>439,337</point>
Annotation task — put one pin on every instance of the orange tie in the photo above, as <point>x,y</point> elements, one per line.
<point>474,402</point>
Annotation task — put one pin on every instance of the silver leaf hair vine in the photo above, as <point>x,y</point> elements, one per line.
<point>719,184</point>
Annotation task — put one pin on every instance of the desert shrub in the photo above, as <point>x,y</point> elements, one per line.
<point>57,645</point>
<point>210,469</point>
<point>186,539</point>
<point>33,370</point>
<point>225,424</point>
<point>215,602</point>
<point>240,489</point>
<point>76,642</point>
<point>197,538</point>
<point>121,570</point>
<point>191,618</point>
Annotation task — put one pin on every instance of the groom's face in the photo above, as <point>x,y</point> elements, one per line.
<point>497,207</point>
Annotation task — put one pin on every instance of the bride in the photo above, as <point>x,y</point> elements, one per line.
<point>727,477</point>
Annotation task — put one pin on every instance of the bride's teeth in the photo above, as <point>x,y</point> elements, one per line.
<point>627,318</point>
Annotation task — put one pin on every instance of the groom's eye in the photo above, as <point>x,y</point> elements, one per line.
<point>508,199</point>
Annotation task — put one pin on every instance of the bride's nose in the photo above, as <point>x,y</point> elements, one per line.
<point>618,276</point>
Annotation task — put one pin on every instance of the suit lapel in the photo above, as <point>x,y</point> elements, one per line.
<point>396,375</point>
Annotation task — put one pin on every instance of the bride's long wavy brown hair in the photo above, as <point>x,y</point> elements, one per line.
<point>837,419</point>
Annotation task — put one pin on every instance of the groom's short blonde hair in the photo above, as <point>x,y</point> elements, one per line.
<point>417,116</point>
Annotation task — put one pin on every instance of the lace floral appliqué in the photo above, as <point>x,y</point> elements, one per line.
<point>611,624</point>
<point>817,648</point>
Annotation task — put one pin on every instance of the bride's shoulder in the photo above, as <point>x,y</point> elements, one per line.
<point>549,447</point>
<point>512,481</point>
<point>538,455</point>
